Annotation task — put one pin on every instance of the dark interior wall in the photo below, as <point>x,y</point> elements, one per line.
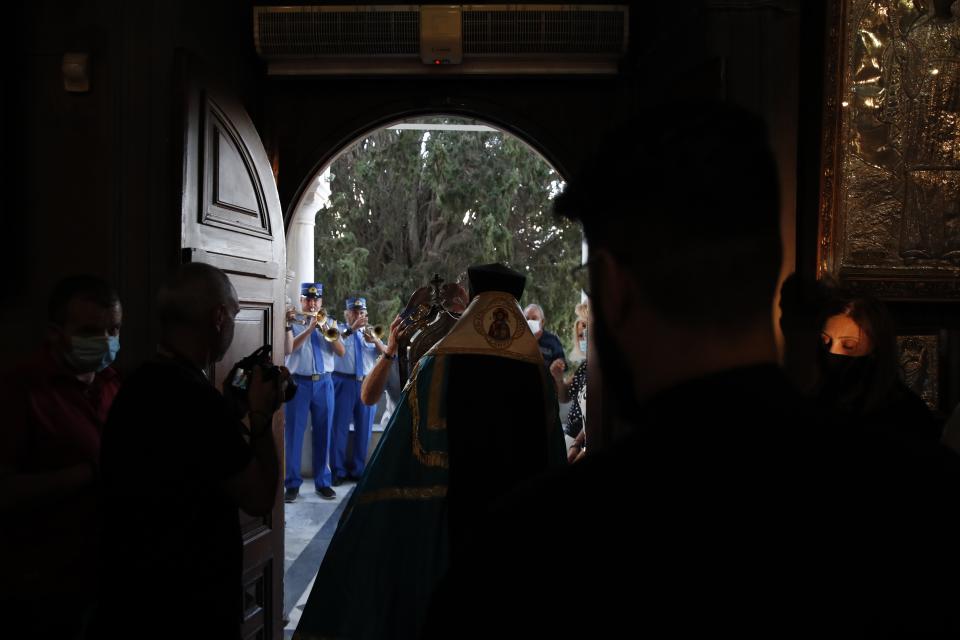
<point>312,119</point>
<point>62,179</point>
<point>97,178</point>
<point>14,119</point>
<point>758,43</point>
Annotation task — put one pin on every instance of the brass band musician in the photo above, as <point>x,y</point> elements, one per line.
<point>310,358</point>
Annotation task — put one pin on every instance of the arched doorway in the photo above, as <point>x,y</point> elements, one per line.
<point>304,255</point>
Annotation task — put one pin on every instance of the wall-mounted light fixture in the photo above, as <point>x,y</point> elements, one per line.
<point>76,72</point>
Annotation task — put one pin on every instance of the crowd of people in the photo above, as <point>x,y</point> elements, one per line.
<point>743,497</point>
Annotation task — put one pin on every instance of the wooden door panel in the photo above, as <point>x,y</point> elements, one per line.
<point>259,612</point>
<point>230,201</point>
<point>233,197</point>
<point>231,218</point>
<point>251,330</point>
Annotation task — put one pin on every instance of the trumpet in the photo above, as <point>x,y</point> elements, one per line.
<point>330,334</point>
<point>376,331</point>
<point>303,317</point>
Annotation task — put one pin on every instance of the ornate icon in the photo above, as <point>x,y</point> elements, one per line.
<point>890,197</point>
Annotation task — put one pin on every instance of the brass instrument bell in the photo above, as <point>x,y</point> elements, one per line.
<point>302,317</point>
<point>375,331</point>
<point>330,334</point>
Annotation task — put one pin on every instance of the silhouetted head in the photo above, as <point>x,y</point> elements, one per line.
<point>681,210</point>
<point>495,277</point>
<point>200,301</point>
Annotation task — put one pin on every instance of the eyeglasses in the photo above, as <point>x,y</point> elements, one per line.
<point>581,277</point>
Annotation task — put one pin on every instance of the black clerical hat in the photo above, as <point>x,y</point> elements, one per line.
<point>495,277</point>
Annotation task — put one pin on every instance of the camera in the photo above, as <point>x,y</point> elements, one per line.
<point>243,372</point>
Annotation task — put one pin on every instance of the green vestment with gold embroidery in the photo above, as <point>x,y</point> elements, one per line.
<point>392,544</point>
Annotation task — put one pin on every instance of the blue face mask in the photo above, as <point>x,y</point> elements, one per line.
<point>583,342</point>
<point>92,353</point>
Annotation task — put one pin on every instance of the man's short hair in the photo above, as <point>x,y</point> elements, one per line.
<point>687,197</point>
<point>79,287</point>
<point>193,292</point>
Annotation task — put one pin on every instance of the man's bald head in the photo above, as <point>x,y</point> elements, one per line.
<point>197,308</point>
<point>193,295</point>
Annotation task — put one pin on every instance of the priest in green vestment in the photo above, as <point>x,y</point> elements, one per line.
<point>477,417</point>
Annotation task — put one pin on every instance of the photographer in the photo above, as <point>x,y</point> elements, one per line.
<point>177,462</point>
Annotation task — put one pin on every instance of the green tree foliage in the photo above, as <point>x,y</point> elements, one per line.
<point>406,204</point>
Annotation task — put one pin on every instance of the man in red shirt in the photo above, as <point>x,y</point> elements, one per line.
<point>56,402</point>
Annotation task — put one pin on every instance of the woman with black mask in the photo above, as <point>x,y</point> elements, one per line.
<point>860,373</point>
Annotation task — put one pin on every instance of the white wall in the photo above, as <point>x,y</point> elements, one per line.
<point>301,261</point>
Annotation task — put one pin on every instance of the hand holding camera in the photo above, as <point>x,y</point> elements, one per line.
<point>266,392</point>
<point>257,386</point>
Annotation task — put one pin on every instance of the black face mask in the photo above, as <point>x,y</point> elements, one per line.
<point>846,379</point>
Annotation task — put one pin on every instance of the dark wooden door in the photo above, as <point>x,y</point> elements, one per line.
<point>231,218</point>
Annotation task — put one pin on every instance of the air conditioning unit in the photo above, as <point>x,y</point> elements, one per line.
<point>442,39</point>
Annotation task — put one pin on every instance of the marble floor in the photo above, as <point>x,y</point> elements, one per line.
<point>309,526</point>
